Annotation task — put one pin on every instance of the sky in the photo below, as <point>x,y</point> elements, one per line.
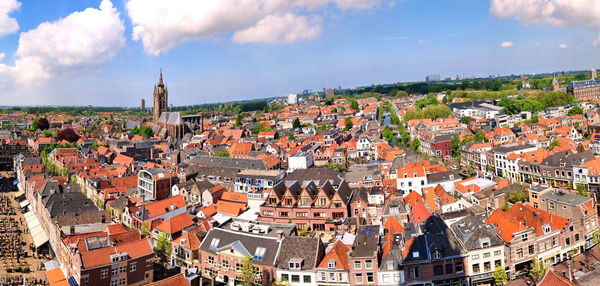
<point>110,52</point>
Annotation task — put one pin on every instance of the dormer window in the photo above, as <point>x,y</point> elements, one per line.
<point>436,254</point>
<point>331,264</point>
<point>259,254</point>
<point>214,243</point>
<point>295,263</point>
<point>546,228</point>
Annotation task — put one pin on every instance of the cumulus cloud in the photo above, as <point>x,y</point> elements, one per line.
<point>563,46</point>
<point>8,25</point>
<point>562,13</point>
<point>160,25</point>
<point>506,44</point>
<point>287,28</point>
<point>81,41</point>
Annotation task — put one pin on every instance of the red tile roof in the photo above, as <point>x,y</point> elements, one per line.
<point>338,253</point>
<point>176,224</point>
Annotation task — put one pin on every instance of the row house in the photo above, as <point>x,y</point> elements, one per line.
<point>223,250</point>
<point>309,206</point>
<point>530,234</point>
<point>474,154</point>
<point>155,184</point>
<point>333,268</point>
<point>363,258</point>
<point>580,210</point>
<point>500,157</point>
<point>485,249</point>
<point>298,259</point>
<point>151,214</point>
<point>435,256</point>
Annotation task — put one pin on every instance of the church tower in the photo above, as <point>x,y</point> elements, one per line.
<point>161,99</point>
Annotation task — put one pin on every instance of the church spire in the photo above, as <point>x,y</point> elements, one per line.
<point>160,81</point>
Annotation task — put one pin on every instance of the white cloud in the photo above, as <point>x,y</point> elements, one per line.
<point>287,28</point>
<point>8,25</point>
<point>563,13</point>
<point>506,44</point>
<point>79,42</point>
<point>2,56</point>
<point>161,25</point>
<point>563,46</point>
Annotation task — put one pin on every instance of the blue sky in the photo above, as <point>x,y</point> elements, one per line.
<point>94,56</point>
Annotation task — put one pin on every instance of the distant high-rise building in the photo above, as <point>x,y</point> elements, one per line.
<point>292,98</point>
<point>143,104</point>
<point>161,99</point>
<point>592,73</point>
<point>432,77</point>
<point>329,92</point>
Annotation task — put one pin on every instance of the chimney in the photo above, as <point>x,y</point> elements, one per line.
<point>103,218</point>
<point>280,235</point>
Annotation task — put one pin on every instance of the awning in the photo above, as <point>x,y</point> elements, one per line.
<point>24,203</point>
<point>19,193</point>
<point>56,277</point>
<point>36,230</point>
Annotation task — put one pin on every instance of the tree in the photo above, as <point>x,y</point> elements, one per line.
<point>238,120</point>
<point>553,144</point>
<point>145,131</point>
<point>249,273</point>
<point>575,110</point>
<point>163,246</point>
<point>500,276</point>
<point>455,145</point>
<point>40,123</point>
<point>348,123</point>
<point>415,144</point>
<point>538,270</point>
<point>67,134</point>
<point>222,154</point>
<point>518,196</point>
<point>354,105</point>
<point>582,190</point>
<point>401,93</point>
<point>387,134</point>
<point>292,137</point>
<point>296,123</point>
<point>465,120</point>
<point>404,138</point>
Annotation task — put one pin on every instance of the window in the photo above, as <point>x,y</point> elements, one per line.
<point>341,277</point>
<point>534,195</point>
<point>295,278</point>
<point>486,255</point>
<point>114,271</point>
<point>359,278</point>
<point>370,277</point>
<point>524,237</point>
<point>324,276</point>
<point>357,265</point>
<point>369,264</point>
<point>225,263</point>
<point>386,278</point>
<point>123,269</point>
<point>306,279</point>
<point>436,254</point>
<point>438,270</point>
<point>210,260</point>
<point>238,267</point>
<point>475,257</point>
<point>577,237</point>
<point>331,264</point>
<point>546,228</point>
<point>103,273</point>
<point>554,241</point>
<point>459,267</point>
<point>551,205</point>
<point>570,228</point>
<point>259,253</point>
<point>414,272</point>
<point>449,269</point>
<point>214,243</point>
<point>133,267</point>
<point>476,268</point>
<point>531,249</point>
<point>85,278</point>
<point>497,253</point>
<point>487,266</point>
<point>302,214</point>
<point>498,263</point>
<point>285,277</point>
<point>519,253</point>
<point>389,265</point>
<point>568,241</point>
